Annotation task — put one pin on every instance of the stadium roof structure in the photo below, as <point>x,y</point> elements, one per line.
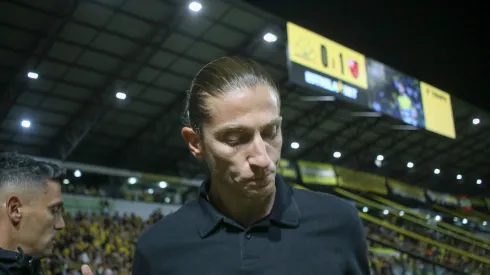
<point>104,81</point>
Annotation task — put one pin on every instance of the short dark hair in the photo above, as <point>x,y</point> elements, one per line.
<point>218,77</point>
<point>18,170</point>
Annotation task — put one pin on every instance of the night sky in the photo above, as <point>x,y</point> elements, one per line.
<point>446,45</point>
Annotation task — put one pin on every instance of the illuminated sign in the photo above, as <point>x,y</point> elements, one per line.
<point>326,56</point>
<point>323,65</point>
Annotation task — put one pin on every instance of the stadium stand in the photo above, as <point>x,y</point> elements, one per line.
<point>104,238</point>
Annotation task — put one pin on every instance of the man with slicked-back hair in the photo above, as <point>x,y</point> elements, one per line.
<point>247,220</point>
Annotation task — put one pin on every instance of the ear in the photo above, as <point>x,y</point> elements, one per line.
<point>13,208</point>
<point>193,141</point>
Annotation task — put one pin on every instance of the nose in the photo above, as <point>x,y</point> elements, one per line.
<point>258,157</point>
<point>60,224</point>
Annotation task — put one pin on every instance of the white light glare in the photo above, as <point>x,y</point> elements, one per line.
<point>77,173</point>
<point>465,221</point>
<point>476,121</point>
<point>337,155</point>
<point>163,184</point>
<point>294,145</point>
<point>478,181</point>
<point>167,200</point>
<point>25,123</point>
<point>195,6</point>
<point>132,180</point>
<point>485,223</point>
<point>410,164</point>
<point>66,181</point>
<point>32,75</point>
<point>386,212</point>
<point>270,37</point>
<point>365,209</point>
<point>459,177</point>
<point>437,171</point>
<point>438,218</point>
<point>121,96</point>
<point>380,157</point>
<point>150,191</point>
<point>402,213</point>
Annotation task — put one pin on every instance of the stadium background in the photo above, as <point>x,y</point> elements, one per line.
<point>98,87</point>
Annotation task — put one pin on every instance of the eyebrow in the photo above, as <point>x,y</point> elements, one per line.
<point>56,204</point>
<point>240,127</point>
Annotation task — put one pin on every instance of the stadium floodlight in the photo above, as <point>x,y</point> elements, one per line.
<point>163,184</point>
<point>459,176</point>
<point>151,191</point>
<point>25,123</point>
<point>121,96</point>
<point>386,212</point>
<point>410,164</point>
<point>32,75</point>
<point>478,181</point>
<point>485,223</point>
<point>132,180</point>
<point>437,218</point>
<point>437,171</point>
<point>66,181</point>
<point>465,221</point>
<point>401,213</point>
<point>365,209</point>
<point>337,155</point>
<point>195,6</point>
<point>294,145</point>
<point>380,157</point>
<point>77,173</point>
<point>270,37</point>
<point>476,121</point>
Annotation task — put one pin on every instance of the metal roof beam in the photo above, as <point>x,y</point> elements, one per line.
<point>68,139</point>
<point>12,90</point>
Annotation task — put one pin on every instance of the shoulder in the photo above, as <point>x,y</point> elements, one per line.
<point>325,207</point>
<point>169,229</point>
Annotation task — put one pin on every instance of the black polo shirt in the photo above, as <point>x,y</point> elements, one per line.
<point>306,233</point>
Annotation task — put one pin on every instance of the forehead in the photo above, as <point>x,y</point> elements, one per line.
<point>52,193</point>
<point>247,106</point>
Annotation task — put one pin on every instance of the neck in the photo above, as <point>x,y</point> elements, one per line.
<point>5,240</point>
<point>244,210</point>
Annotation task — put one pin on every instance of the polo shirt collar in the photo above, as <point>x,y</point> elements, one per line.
<point>284,212</point>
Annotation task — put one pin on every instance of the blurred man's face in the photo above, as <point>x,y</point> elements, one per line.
<point>40,219</point>
<point>241,142</point>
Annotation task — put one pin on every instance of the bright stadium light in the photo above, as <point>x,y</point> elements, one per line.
<point>25,123</point>
<point>437,171</point>
<point>32,75</point>
<point>270,37</point>
<point>195,6</point>
<point>163,184</point>
<point>438,218</point>
<point>386,212</point>
<point>465,221</point>
<point>294,145</point>
<point>380,157</point>
<point>121,96</point>
<point>478,181</point>
<point>132,180</point>
<point>476,121</point>
<point>401,213</point>
<point>485,223</point>
<point>66,181</point>
<point>459,176</point>
<point>150,191</point>
<point>77,173</point>
<point>365,209</point>
<point>410,164</point>
<point>337,155</point>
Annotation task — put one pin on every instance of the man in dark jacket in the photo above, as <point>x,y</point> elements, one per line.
<point>31,210</point>
<point>247,220</point>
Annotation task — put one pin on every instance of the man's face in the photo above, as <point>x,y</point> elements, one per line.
<point>241,142</point>
<point>40,220</point>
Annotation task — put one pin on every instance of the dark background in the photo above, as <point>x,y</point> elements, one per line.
<point>443,43</point>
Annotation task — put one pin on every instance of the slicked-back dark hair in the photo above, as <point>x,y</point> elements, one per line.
<point>22,171</point>
<point>217,78</point>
